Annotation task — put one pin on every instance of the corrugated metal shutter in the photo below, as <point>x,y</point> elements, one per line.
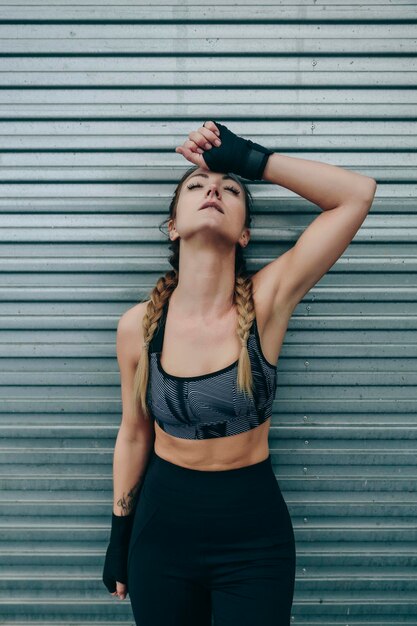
<point>94,99</point>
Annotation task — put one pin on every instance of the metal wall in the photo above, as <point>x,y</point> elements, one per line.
<point>94,98</point>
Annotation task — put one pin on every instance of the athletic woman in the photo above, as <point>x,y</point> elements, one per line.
<point>200,529</point>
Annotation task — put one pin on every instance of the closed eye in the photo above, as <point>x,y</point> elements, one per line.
<point>230,187</point>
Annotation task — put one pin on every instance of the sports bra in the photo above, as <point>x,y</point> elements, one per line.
<point>209,405</point>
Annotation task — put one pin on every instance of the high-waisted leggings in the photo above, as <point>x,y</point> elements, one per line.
<point>211,547</point>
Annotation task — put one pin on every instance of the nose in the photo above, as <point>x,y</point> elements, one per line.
<point>212,188</point>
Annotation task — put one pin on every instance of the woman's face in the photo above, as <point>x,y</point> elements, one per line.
<point>227,221</point>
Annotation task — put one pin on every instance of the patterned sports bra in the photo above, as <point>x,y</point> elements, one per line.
<point>210,405</point>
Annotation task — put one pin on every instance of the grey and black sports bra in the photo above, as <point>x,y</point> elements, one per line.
<point>210,405</point>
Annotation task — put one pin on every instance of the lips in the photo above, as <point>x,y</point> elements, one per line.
<point>213,204</point>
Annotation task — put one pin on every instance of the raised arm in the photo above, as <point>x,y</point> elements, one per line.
<point>345,198</point>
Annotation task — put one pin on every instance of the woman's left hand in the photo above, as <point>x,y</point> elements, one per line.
<point>199,141</point>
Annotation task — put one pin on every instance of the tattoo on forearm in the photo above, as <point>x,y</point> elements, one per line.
<point>127,503</point>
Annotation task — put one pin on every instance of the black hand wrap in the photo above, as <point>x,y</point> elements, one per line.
<point>115,564</point>
<point>237,155</point>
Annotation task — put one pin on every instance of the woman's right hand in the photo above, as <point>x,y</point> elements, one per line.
<point>115,562</point>
<point>121,590</point>
<point>115,566</point>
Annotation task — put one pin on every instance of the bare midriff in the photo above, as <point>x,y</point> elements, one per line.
<point>219,453</point>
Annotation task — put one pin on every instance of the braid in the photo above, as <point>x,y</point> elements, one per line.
<point>246,315</point>
<point>158,297</point>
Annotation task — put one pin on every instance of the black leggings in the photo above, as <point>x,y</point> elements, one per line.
<point>211,545</point>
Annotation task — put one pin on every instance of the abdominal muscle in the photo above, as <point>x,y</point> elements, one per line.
<point>220,453</point>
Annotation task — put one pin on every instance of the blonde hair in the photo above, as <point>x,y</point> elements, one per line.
<point>160,294</point>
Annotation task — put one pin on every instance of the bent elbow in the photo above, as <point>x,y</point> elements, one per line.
<point>370,193</point>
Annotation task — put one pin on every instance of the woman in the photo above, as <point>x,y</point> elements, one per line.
<point>199,525</point>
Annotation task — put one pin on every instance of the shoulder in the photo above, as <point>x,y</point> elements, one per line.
<point>128,321</point>
<point>129,332</point>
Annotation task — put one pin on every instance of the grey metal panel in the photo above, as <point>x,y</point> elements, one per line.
<point>350,110</point>
<point>94,99</point>
<point>298,36</point>
<point>199,10</point>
